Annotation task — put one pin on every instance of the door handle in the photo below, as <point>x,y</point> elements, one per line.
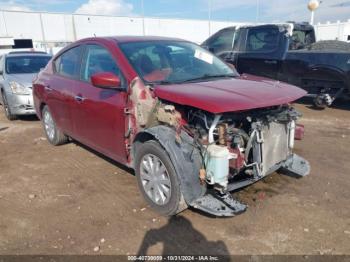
<point>48,88</point>
<point>271,62</point>
<point>79,98</point>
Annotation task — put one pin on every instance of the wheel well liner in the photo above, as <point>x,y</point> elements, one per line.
<point>184,156</point>
<point>42,105</point>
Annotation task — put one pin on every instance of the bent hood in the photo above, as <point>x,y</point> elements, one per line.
<point>229,95</point>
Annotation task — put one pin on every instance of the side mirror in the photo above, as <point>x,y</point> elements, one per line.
<point>210,49</point>
<point>106,80</point>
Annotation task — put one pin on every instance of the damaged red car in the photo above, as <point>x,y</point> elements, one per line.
<point>191,127</point>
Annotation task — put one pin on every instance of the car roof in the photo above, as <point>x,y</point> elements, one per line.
<point>26,53</point>
<point>127,39</point>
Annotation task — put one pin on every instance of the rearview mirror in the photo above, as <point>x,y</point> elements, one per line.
<point>106,80</point>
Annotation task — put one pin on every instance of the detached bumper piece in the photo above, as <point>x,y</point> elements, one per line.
<point>219,205</point>
<point>296,166</point>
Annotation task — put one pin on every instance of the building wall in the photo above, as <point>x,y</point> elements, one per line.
<point>55,30</point>
<point>51,27</point>
<point>333,31</point>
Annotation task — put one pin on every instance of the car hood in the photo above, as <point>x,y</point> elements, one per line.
<point>23,79</point>
<point>229,95</point>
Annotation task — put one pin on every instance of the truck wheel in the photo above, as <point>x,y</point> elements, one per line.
<point>157,179</point>
<point>322,101</point>
<point>7,109</point>
<point>53,134</point>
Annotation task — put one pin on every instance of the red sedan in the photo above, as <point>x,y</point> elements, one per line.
<point>191,127</point>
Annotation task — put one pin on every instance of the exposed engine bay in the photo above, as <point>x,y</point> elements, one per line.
<point>241,148</point>
<point>253,143</point>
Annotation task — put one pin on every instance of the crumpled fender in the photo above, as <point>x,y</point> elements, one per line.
<point>185,158</point>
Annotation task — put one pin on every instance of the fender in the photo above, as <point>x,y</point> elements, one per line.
<point>335,71</point>
<point>185,158</point>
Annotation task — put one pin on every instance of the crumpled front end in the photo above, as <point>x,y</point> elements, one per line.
<point>241,148</point>
<point>215,153</point>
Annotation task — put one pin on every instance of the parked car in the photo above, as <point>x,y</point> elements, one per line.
<point>17,70</point>
<point>287,52</point>
<point>191,128</point>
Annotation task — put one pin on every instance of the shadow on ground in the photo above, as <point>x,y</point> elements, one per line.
<point>106,158</point>
<point>179,237</point>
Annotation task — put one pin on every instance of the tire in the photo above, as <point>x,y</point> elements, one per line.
<point>7,109</point>
<point>53,134</point>
<point>166,205</point>
<point>319,104</point>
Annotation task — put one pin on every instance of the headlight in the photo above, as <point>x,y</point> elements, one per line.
<point>19,89</point>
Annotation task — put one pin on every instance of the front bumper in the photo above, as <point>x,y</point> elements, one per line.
<point>21,104</point>
<point>225,206</point>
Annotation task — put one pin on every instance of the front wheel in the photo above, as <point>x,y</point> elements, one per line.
<point>53,134</point>
<point>157,179</point>
<point>7,109</point>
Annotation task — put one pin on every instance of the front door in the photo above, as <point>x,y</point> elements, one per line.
<point>265,48</point>
<point>98,114</point>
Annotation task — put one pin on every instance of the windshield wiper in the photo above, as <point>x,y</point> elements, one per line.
<point>208,76</point>
<point>163,82</point>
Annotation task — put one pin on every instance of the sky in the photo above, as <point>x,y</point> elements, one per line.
<point>228,10</point>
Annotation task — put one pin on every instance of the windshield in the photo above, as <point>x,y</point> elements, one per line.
<point>174,62</point>
<point>26,64</point>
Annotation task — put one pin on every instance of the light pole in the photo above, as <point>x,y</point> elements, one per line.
<point>209,16</point>
<point>312,6</point>
<point>143,17</point>
<point>257,11</point>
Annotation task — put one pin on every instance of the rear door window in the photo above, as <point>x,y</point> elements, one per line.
<point>68,64</point>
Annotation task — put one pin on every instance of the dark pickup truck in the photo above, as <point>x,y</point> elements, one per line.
<point>287,52</point>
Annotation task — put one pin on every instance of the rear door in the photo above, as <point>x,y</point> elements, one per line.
<point>264,50</point>
<point>59,87</point>
<point>98,114</point>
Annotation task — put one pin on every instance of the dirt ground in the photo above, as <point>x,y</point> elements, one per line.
<point>70,200</point>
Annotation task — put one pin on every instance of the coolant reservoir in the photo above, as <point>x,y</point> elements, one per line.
<point>217,164</point>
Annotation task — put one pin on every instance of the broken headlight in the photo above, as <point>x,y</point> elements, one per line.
<point>19,89</point>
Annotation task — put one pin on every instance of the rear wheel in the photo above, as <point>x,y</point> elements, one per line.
<point>53,134</point>
<point>322,101</point>
<point>157,179</point>
<point>7,109</point>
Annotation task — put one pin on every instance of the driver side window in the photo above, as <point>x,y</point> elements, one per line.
<point>262,39</point>
<point>97,59</point>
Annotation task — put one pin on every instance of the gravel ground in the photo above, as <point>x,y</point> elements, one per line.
<point>70,200</point>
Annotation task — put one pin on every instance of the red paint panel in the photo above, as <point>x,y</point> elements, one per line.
<point>230,95</point>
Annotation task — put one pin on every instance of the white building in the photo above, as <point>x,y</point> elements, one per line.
<point>52,31</point>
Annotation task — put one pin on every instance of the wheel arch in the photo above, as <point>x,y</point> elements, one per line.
<point>41,107</point>
<point>185,158</point>
<point>337,73</point>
